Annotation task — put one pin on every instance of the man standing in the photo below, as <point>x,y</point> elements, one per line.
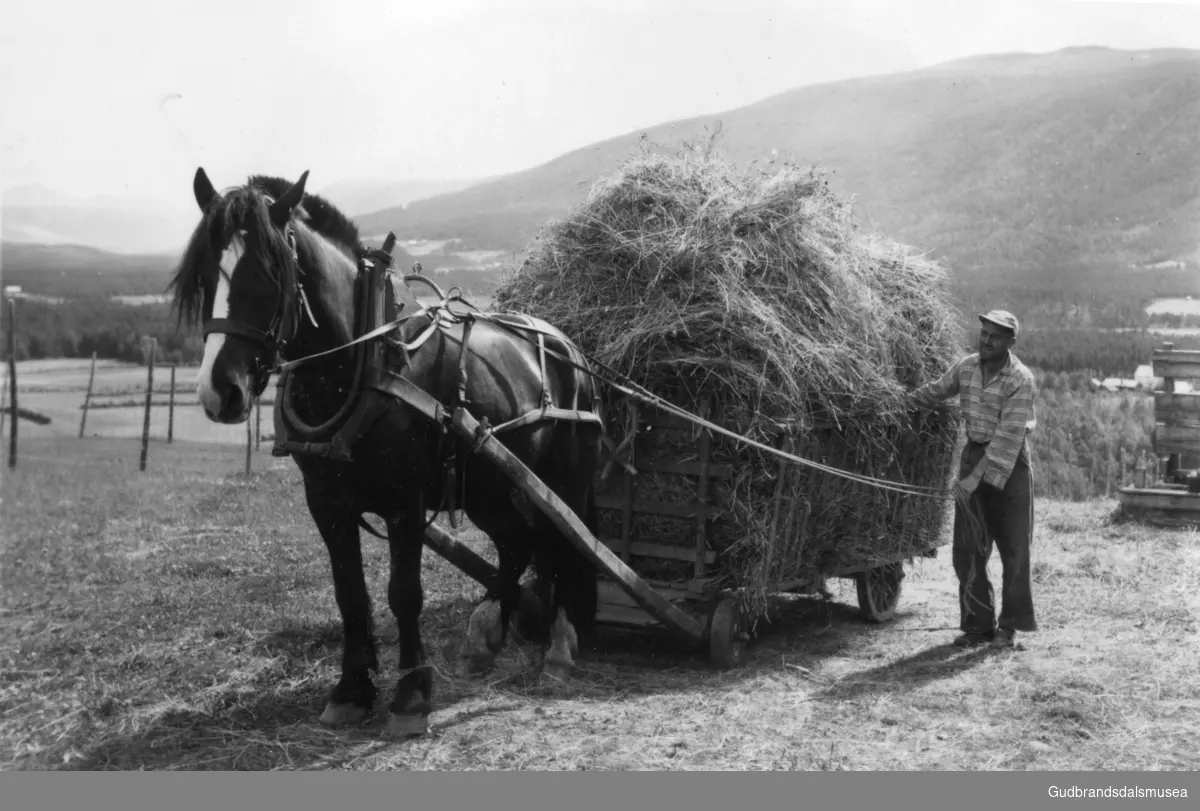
<point>995,483</point>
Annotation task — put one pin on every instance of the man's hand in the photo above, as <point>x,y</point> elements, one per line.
<point>964,489</point>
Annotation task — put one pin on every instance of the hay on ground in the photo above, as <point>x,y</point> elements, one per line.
<point>754,290</point>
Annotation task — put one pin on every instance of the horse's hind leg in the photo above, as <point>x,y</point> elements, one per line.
<point>575,597</point>
<point>411,705</point>
<point>354,695</point>
<point>488,627</point>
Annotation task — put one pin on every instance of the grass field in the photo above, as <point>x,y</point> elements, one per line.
<point>183,618</point>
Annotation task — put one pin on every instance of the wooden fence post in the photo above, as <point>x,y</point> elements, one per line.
<point>1121,466</point>
<point>12,382</point>
<point>171,409</point>
<point>249,444</point>
<point>87,398</point>
<point>149,394</point>
<point>257,423</point>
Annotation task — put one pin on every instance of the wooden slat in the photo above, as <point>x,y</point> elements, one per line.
<point>1161,497</point>
<point>688,468</point>
<point>1167,507</point>
<point>1177,408</point>
<point>629,485</point>
<point>610,593</point>
<point>658,550</point>
<point>704,451</point>
<point>576,531</point>
<point>630,616</point>
<point>650,507</point>
<point>1176,363</point>
<point>1170,438</point>
<point>647,549</point>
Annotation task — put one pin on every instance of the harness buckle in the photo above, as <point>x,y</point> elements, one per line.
<point>482,432</point>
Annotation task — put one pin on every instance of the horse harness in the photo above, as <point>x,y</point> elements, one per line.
<point>380,359</point>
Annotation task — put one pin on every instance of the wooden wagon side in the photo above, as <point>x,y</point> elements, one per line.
<point>699,499</point>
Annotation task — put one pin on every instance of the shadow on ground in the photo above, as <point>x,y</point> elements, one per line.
<point>274,724</point>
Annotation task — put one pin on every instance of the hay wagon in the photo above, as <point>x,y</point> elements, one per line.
<point>672,541</point>
<point>646,578</point>
<point>744,296</point>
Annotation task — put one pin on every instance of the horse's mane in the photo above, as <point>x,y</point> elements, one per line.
<point>233,210</point>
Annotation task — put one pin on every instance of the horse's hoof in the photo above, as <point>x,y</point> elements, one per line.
<point>557,671</point>
<point>407,726</point>
<point>340,715</point>
<point>478,664</point>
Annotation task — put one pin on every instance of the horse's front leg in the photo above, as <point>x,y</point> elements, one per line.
<point>414,691</point>
<point>354,695</point>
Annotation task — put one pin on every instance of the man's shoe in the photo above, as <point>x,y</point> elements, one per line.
<point>1004,638</point>
<point>973,640</point>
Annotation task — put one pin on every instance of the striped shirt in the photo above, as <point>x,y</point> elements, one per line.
<point>1000,415</point>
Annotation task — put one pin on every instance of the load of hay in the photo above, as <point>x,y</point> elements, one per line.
<point>753,291</point>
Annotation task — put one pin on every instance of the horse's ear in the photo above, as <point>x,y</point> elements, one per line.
<point>203,188</point>
<point>281,209</point>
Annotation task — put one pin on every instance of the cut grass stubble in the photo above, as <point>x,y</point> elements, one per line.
<point>185,620</point>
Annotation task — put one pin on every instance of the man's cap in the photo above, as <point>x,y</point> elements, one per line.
<point>1002,318</point>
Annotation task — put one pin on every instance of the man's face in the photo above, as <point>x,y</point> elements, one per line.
<point>994,341</point>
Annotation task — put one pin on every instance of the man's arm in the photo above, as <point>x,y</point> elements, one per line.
<point>1016,418</point>
<point>931,393</point>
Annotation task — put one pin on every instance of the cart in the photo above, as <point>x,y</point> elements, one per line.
<point>693,607</point>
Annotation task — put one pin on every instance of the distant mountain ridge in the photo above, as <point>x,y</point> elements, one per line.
<point>1008,163</point>
<point>355,197</point>
<point>36,214</point>
<point>1065,183</point>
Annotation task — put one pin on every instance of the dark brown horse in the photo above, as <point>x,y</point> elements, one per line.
<point>271,274</point>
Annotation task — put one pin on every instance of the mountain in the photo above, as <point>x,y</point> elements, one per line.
<point>36,214</point>
<point>83,272</point>
<point>1039,167</point>
<point>356,197</point>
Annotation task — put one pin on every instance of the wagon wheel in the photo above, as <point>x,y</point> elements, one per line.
<point>728,634</point>
<point>879,591</point>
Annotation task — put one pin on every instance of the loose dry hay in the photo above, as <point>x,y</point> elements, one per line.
<point>755,289</point>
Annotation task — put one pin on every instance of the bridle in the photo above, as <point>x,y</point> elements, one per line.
<point>271,340</point>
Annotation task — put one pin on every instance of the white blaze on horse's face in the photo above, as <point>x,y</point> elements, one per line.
<point>210,398</point>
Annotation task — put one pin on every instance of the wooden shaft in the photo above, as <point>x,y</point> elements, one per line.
<point>577,533</point>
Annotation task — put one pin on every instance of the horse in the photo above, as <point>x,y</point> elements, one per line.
<point>270,273</point>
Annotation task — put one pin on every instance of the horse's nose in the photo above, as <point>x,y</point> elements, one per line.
<point>233,400</point>
<point>210,399</point>
<point>222,402</point>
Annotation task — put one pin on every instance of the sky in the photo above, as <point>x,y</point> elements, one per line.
<point>127,97</point>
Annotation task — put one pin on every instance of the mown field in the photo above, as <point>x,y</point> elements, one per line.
<point>183,618</point>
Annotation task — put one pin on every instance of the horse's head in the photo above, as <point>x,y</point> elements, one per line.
<point>238,279</point>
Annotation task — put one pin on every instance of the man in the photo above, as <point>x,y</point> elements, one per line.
<point>995,482</point>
